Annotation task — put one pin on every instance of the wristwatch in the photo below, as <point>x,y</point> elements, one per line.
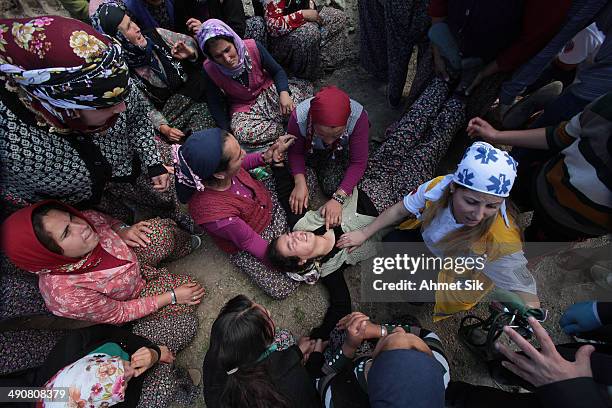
<point>339,198</point>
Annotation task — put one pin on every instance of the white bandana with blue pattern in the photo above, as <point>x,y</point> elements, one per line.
<point>487,169</point>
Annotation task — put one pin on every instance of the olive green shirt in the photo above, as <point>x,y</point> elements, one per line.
<point>351,221</point>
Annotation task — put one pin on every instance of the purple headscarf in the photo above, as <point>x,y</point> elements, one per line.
<point>214,28</point>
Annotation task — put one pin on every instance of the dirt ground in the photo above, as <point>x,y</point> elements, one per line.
<point>304,309</point>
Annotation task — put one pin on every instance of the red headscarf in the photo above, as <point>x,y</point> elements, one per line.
<point>21,246</point>
<point>330,107</point>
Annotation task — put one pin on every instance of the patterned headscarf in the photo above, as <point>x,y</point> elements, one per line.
<point>20,244</point>
<point>106,20</point>
<point>214,28</point>
<point>96,380</point>
<point>487,169</point>
<point>61,64</point>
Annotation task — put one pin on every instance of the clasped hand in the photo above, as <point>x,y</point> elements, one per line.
<point>276,153</point>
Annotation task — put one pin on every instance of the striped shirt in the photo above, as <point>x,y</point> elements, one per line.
<point>575,186</point>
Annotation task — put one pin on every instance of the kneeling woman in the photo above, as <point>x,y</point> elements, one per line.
<point>240,213</point>
<point>332,137</point>
<point>464,213</point>
<point>94,268</point>
<point>256,87</point>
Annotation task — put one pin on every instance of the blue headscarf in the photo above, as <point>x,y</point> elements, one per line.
<point>406,378</point>
<point>143,15</point>
<point>196,160</point>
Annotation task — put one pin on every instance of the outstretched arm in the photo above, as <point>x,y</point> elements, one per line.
<point>391,216</point>
<point>530,138</point>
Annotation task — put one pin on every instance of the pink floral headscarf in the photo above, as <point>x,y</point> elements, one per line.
<point>94,381</point>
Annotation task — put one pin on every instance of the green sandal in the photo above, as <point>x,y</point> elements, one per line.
<point>479,335</point>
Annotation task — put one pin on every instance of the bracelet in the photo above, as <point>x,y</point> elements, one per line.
<point>339,198</point>
<point>383,330</point>
<point>122,225</point>
<point>173,295</point>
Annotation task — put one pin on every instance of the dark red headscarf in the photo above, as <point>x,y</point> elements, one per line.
<point>60,65</point>
<point>330,107</point>
<point>21,246</point>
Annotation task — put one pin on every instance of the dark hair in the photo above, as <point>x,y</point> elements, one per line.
<point>213,40</point>
<point>285,263</point>
<point>239,335</point>
<point>225,159</point>
<point>39,230</point>
<point>279,261</point>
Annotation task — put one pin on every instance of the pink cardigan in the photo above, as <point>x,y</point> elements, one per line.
<point>240,97</point>
<point>108,296</point>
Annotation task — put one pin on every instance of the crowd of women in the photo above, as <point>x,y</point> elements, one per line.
<point>127,135</point>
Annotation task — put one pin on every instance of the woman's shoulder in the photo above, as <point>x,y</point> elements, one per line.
<point>502,232</point>
<point>282,363</point>
<point>136,100</point>
<point>291,378</point>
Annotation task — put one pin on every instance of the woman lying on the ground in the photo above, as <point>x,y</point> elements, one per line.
<point>259,95</point>
<point>92,267</point>
<point>250,361</point>
<point>240,213</point>
<point>302,39</point>
<point>106,364</point>
<point>457,215</point>
<point>332,137</point>
<point>164,66</point>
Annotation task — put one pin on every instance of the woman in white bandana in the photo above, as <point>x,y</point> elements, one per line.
<point>465,213</point>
